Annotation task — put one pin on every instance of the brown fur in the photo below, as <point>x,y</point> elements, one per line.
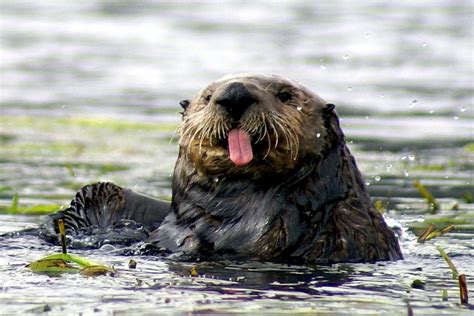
<point>301,198</point>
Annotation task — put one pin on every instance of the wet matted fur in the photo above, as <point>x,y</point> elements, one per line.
<point>263,173</point>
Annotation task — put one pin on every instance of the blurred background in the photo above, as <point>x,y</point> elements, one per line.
<point>90,89</point>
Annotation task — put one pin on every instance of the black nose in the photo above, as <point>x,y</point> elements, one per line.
<point>235,100</point>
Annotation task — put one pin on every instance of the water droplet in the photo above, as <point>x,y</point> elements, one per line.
<point>389,167</point>
<point>321,60</point>
<point>323,67</point>
<point>431,112</point>
<point>406,174</point>
<point>63,106</point>
<point>413,103</point>
<point>456,117</point>
<point>411,158</point>
<point>424,44</point>
<point>367,183</point>
<point>318,135</point>
<point>446,177</point>
<point>299,108</point>
<point>403,158</point>
<point>216,180</point>
<point>349,88</point>
<point>377,178</point>
<point>382,96</point>
<point>345,56</point>
<point>463,109</point>
<point>367,117</point>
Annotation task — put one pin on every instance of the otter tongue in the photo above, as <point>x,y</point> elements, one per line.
<point>240,148</point>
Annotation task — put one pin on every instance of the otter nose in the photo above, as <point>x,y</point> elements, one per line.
<point>235,99</point>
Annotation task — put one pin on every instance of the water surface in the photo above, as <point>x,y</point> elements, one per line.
<point>90,91</point>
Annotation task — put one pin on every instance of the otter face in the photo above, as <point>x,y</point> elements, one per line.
<point>250,122</point>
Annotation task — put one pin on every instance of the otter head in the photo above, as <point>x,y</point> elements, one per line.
<point>254,124</point>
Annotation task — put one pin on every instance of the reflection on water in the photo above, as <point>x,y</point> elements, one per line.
<point>90,91</point>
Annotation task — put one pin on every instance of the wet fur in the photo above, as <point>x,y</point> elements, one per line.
<point>301,199</point>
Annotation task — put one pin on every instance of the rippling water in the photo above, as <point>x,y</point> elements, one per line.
<point>90,91</point>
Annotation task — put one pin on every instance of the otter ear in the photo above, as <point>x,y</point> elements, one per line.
<point>331,122</point>
<point>329,108</point>
<point>328,111</point>
<point>184,104</point>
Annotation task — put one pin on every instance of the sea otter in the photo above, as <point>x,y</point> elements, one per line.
<point>263,173</point>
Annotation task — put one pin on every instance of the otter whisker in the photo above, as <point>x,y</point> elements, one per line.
<point>282,129</point>
<point>269,146</point>
<point>275,131</point>
<point>254,127</point>
<point>204,135</point>
<point>175,132</point>
<point>186,128</point>
<point>286,128</point>
<point>263,130</point>
<point>224,127</point>
<point>202,127</point>
<point>197,134</point>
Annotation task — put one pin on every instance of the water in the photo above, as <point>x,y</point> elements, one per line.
<point>90,91</point>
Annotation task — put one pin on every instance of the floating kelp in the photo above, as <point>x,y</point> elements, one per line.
<point>132,264</point>
<point>17,208</point>
<point>463,293</point>
<point>379,205</point>
<point>194,271</point>
<point>59,263</point>
<point>432,203</point>
<point>430,232</point>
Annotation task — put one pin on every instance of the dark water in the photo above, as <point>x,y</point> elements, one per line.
<point>90,91</point>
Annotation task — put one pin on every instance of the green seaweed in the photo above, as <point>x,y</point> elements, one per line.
<point>106,168</point>
<point>62,263</point>
<point>58,263</point>
<point>15,201</point>
<point>6,138</point>
<point>52,123</point>
<point>5,189</point>
<point>428,168</point>
<point>432,203</point>
<point>418,284</point>
<point>32,210</point>
<point>468,197</point>
<point>469,148</point>
<point>16,208</point>
<point>450,263</point>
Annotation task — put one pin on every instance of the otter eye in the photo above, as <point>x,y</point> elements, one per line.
<point>208,97</point>
<point>284,96</point>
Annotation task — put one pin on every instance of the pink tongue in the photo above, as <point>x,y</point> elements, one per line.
<point>240,148</point>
